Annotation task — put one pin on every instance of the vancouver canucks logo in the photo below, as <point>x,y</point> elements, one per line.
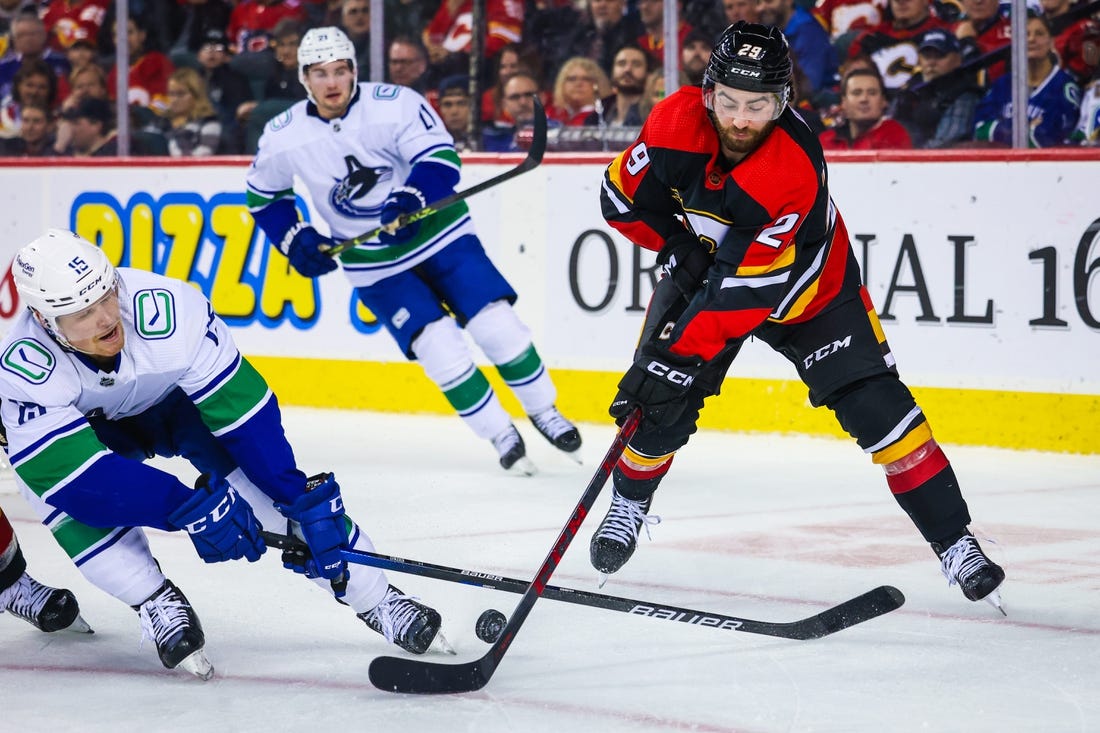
<point>351,196</point>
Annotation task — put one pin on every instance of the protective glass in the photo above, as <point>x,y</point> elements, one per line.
<point>729,104</point>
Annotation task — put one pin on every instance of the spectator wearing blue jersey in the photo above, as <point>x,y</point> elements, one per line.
<point>28,43</point>
<point>1054,99</point>
<point>809,41</point>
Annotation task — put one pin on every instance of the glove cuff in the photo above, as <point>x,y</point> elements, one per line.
<point>288,238</point>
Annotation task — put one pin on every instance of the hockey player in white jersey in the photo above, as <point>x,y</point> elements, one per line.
<point>369,153</point>
<point>106,368</point>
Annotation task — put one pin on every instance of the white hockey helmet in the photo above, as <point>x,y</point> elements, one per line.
<point>320,46</point>
<point>59,274</point>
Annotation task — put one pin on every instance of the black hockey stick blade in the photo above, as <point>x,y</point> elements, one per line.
<point>865,607</point>
<point>398,674</point>
<point>849,613</point>
<point>533,159</point>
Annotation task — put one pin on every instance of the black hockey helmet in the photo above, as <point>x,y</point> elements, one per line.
<point>750,56</point>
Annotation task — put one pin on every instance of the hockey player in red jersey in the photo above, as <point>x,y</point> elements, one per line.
<point>47,609</point>
<point>729,186</point>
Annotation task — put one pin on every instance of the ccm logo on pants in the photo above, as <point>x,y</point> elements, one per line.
<point>826,350</point>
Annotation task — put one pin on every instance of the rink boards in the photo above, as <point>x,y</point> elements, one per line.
<point>982,268</point>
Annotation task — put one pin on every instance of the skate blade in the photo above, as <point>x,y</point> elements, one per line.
<point>602,579</point>
<point>440,644</point>
<point>79,626</point>
<point>523,467</point>
<point>994,599</point>
<point>575,456</point>
<point>198,665</point>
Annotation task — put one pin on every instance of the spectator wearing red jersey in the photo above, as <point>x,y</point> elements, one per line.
<point>149,72</point>
<point>449,32</point>
<point>579,84</point>
<point>892,44</point>
<point>652,15</point>
<point>846,18</point>
<point>253,21</point>
<point>983,22</point>
<point>1075,39</point>
<point>865,126</point>
<point>70,21</point>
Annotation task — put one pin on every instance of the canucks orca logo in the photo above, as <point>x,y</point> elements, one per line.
<point>347,195</point>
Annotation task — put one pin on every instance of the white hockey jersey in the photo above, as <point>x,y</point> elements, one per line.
<point>351,164</point>
<point>172,339</point>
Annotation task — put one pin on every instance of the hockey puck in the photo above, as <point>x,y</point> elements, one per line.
<point>489,625</point>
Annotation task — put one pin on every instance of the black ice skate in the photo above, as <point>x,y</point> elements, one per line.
<point>615,539</point>
<point>47,609</point>
<point>561,433</point>
<point>965,564</point>
<point>513,453</point>
<point>406,623</point>
<point>169,620</point>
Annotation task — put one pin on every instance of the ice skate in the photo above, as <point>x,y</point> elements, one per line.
<point>513,453</point>
<point>964,564</point>
<point>169,620</point>
<point>47,609</point>
<point>615,539</point>
<point>561,433</point>
<point>403,621</point>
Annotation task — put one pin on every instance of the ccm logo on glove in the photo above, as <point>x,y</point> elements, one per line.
<point>217,514</point>
<point>675,376</point>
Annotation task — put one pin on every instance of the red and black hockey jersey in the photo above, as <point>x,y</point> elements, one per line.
<point>781,249</point>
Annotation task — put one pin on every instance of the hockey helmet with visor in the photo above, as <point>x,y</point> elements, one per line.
<point>60,274</point>
<point>322,46</point>
<point>753,58</point>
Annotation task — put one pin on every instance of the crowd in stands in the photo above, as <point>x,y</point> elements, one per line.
<point>206,75</point>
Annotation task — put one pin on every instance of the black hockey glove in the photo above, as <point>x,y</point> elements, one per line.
<point>686,260</point>
<point>657,383</point>
<point>303,247</point>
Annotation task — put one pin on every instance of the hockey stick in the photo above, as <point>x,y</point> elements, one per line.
<point>397,674</point>
<point>534,157</point>
<point>862,608</point>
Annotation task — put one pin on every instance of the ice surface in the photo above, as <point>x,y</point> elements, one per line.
<point>764,527</point>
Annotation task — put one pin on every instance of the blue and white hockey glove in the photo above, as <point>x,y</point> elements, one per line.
<point>319,514</point>
<point>302,246</point>
<point>403,200</point>
<point>686,260</point>
<point>657,382</point>
<point>220,523</point>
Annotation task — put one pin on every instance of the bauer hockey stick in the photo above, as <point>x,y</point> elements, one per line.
<point>398,674</point>
<point>854,611</point>
<point>534,157</point>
